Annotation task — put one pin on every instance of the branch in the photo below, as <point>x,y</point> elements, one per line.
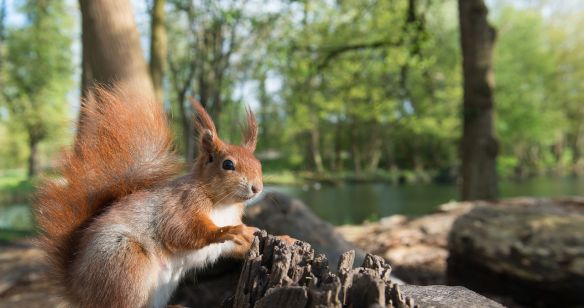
<point>337,51</point>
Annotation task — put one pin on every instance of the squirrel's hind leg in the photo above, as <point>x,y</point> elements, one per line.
<point>114,270</point>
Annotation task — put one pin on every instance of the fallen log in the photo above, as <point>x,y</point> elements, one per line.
<point>526,248</point>
<point>280,214</point>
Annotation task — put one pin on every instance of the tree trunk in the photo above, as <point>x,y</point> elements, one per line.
<point>112,55</point>
<point>158,48</point>
<point>375,151</point>
<point>576,143</point>
<point>338,148</point>
<point>111,46</point>
<point>355,152</point>
<point>33,158</point>
<point>2,36</point>
<point>315,149</point>
<point>264,100</point>
<point>478,146</point>
<point>188,128</point>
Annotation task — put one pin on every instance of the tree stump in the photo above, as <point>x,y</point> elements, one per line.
<point>277,274</point>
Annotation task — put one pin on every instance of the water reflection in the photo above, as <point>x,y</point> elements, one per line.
<point>15,217</point>
<point>355,203</point>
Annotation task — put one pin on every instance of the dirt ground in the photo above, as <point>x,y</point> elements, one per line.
<point>21,277</point>
<point>415,247</point>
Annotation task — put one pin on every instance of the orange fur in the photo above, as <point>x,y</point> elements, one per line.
<point>127,148</point>
<point>118,217</point>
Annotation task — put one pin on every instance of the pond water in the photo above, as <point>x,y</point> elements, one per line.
<point>15,217</point>
<point>355,203</point>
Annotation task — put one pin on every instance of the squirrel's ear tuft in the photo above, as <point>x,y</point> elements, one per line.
<point>250,137</point>
<point>206,128</point>
<point>208,141</point>
<point>202,119</point>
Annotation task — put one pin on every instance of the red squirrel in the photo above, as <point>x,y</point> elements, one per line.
<point>119,227</point>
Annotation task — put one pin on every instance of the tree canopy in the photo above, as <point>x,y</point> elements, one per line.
<point>350,88</point>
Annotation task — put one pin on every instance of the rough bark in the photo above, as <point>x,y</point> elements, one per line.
<point>111,47</point>
<point>276,274</point>
<point>530,249</point>
<point>158,48</point>
<point>478,145</point>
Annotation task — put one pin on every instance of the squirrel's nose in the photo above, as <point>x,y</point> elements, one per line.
<point>256,187</point>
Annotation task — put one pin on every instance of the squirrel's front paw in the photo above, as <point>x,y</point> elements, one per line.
<point>240,234</point>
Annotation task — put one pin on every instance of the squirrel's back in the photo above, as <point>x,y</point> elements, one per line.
<point>125,146</point>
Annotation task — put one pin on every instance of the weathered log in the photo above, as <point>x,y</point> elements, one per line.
<point>280,214</point>
<point>277,274</point>
<point>530,249</point>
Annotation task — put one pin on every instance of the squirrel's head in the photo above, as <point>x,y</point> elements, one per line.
<point>229,173</point>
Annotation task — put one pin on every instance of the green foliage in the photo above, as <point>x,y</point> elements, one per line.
<point>371,83</point>
<point>37,74</point>
<point>536,108</point>
<point>369,87</point>
<point>15,187</point>
<point>346,89</point>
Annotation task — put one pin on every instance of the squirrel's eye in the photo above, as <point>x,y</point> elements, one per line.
<point>228,165</point>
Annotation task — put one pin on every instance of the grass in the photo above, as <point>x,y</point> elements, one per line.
<point>15,187</point>
<point>8,235</point>
<point>284,178</point>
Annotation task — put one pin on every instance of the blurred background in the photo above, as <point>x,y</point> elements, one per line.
<point>359,102</point>
<point>362,106</point>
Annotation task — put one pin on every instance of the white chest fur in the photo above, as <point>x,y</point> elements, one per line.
<point>226,215</point>
<point>174,268</point>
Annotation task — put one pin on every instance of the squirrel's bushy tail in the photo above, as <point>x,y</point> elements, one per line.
<point>126,146</point>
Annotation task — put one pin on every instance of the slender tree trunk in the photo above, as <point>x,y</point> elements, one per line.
<point>158,48</point>
<point>576,145</point>
<point>2,36</point>
<point>338,160</point>
<point>33,158</point>
<point>478,146</point>
<point>188,128</point>
<point>355,152</point>
<point>264,111</point>
<point>315,149</point>
<point>111,46</point>
<point>356,159</point>
<point>375,154</point>
<point>112,55</point>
